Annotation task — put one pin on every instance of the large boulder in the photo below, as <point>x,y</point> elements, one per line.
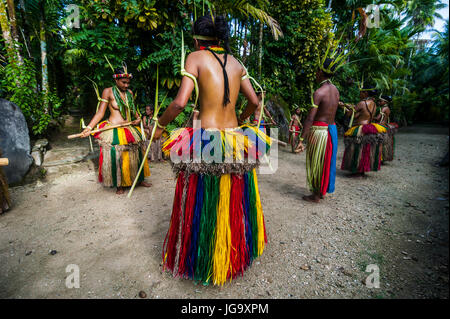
<point>14,141</point>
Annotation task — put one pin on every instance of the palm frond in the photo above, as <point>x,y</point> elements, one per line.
<point>247,9</point>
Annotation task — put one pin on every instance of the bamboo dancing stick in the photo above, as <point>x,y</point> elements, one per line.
<point>4,162</point>
<point>279,142</point>
<point>155,118</point>
<point>83,126</point>
<point>101,130</point>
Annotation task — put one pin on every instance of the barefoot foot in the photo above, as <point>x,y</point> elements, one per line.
<point>120,191</point>
<point>145,184</point>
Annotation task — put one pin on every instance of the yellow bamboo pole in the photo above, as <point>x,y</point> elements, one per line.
<point>155,118</point>
<point>100,130</point>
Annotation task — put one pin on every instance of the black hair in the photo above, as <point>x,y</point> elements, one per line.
<point>326,65</point>
<point>218,29</point>
<point>370,89</point>
<point>373,93</point>
<point>387,98</point>
<point>119,71</point>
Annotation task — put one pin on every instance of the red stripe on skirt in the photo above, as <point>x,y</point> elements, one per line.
<point>326,166</point>
<point>237,253</point>
<point>172,233</point>
<point>128,135</point>
<point>96,135</point>
<point>364,165</point>
<point>187,223</point>
<point>320,123</point>
<point>177,144</point>
<point>380,151</point>
<point>100,165</point>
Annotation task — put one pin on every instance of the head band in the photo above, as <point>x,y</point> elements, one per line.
<point>204,37</point>
<point>123,75</point>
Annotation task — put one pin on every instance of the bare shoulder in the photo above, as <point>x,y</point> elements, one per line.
<point>192,62</point>
<point>194,56</point>
<point>322,91</point>
<point>360,104</point>
<point>232,59</point>
<point>238,65</point>
<point>336,91</point>
<point>107,92</point>
<point>334,87</point>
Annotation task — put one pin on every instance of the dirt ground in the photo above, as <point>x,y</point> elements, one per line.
<point>396,219</point>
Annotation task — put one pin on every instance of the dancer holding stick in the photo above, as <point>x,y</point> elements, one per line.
<point>122,142</point>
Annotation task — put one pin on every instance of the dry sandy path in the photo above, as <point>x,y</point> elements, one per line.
<point>396,218</point>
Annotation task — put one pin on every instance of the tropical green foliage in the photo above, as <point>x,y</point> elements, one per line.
<point>27,97</point>
<point>392,57</point>
<point>279,42</point>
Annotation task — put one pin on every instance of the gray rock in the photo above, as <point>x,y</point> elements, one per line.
<point>38,151</point>
<point>40,144</point>
<point>38,157</point>
<point>14,141</point>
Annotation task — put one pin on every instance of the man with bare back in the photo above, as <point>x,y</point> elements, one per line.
<point>364,140</point>
<point>383,118</point>
<point>295,129</point>
<point>155,152</point>
<point>321,134</point>
<point>211,237</point>
<point>122,148</point>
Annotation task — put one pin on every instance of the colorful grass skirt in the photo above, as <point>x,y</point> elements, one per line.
<point>389,143</point>
<point>321,155</point>
<point>363,148</point>
<point>121,154</point>
<point>217,225</point>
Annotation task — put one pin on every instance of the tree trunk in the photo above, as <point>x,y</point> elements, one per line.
<point>245,44</point>
<point>240,37</point>
<point>260,49</point>
<point>14,32</point>
<point>6,32</point>
<point>329,4</point>
<point>26,38</point>
<point>44,65</point>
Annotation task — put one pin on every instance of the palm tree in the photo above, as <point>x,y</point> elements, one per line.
<point>243,9</point>
<point>5,25</point>
<point>422,13</point>
<point>14,32</point>
<point>43,16</point>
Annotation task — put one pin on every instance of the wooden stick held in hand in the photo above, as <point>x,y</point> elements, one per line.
<point>279,142</point>
<point>101,130</point>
